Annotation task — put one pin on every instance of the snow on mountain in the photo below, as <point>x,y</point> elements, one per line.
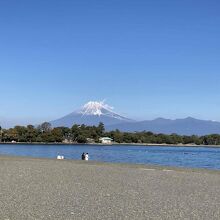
<point>92,113</point>
<point>95,108</point>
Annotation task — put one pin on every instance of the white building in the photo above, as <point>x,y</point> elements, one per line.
<point>106,140</point>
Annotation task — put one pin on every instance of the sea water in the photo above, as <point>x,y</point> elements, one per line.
<point>176,156</point>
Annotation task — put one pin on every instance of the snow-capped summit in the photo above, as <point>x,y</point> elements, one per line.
<point>92,113</point>
<point>100,109</point>
<point>95,108</point>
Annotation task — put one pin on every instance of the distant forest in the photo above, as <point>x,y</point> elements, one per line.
<point>44,133</point>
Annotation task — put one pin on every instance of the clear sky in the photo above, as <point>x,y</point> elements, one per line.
<point>147,58</point>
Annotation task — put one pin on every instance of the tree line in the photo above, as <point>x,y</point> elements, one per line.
<point>44,133</point>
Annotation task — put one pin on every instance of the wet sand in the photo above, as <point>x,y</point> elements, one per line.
<point>52,189</point>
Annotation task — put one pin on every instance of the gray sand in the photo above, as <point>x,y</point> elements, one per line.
<point>51,189</point>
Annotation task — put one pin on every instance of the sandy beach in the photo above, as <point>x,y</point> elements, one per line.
<point>52,189</point>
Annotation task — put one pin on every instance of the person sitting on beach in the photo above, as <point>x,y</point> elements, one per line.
<point>83,156</point>
<point>87,156</point>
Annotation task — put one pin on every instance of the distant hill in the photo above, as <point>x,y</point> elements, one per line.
<point>187,126</point>
<point>91,113</point>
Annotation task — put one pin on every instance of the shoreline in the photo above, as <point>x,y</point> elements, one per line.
<point>113,144</point>
<point>109,164</point>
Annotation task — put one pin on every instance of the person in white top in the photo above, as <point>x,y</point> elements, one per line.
<point>87,156</point>
<point>59,157</point>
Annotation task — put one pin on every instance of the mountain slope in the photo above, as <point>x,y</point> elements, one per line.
<point>91,113</point>
<point>187,126</point>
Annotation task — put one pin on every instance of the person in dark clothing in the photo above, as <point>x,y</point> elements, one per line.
<point>83,156</point>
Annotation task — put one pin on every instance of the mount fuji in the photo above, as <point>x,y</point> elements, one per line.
<point>95,112</point>
<point>91,114</point>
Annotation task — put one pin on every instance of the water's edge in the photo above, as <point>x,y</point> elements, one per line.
<point>171,156</point>
<point>143,167</point>
<point>114,144</point>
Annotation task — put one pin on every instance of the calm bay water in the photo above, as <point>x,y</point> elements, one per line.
<point>191,157</point>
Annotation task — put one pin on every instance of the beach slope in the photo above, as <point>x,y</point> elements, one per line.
<point>51,189</point>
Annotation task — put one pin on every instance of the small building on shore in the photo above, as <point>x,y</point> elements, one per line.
<point>105,140</point>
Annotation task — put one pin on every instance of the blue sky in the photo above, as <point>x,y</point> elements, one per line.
<point>148,59</point>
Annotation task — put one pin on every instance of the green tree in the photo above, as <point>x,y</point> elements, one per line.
<point>45,127</point>
<point>57,135</point>
<point>81,139</point>
<point>31,134</point>
<point>100,129</point>
<point>1,134</point>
